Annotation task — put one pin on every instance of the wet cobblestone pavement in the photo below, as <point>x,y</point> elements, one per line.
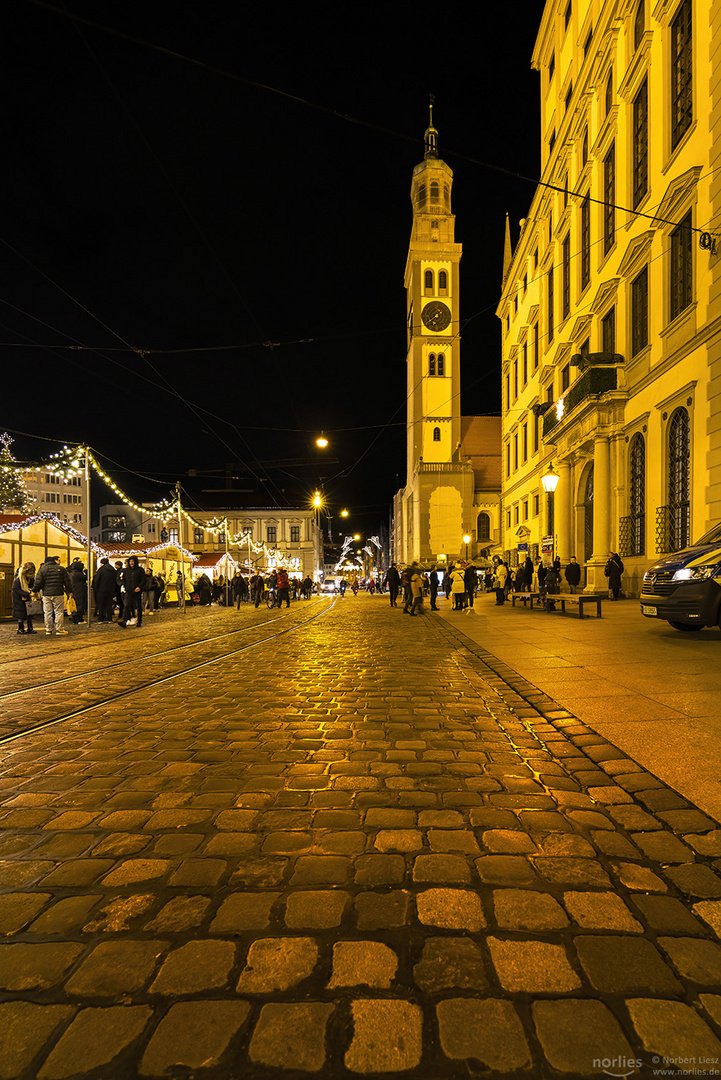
<point>364,847</point>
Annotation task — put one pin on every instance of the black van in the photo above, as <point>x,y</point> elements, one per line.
<point>685,588</point>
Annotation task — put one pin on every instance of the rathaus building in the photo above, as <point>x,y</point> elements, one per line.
<point>611,304</point>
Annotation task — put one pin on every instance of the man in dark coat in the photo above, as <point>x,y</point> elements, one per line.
<point>104,584</point>
<point>132,579</point>
<point>613,571</point>
<point>79,582</point>
<point>470,581</point>
<point>572,574</point>
<point>433,584</point>
<point>393,581</point>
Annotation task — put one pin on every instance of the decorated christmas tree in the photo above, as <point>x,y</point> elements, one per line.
<point>13,493</point>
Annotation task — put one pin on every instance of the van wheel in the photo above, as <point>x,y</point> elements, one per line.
<point>684,626</point>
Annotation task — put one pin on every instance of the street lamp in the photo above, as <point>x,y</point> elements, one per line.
<point>344,513</point>
<point>466,541</point>
<point>549,483</point>
<point>321,441</point>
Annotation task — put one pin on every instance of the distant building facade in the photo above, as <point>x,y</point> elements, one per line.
<point>611,304</point>
<point>453,462</point>
<point>50,494</point>
<point>120,523</point>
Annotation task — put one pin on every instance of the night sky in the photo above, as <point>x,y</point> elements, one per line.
<point>179,207</point>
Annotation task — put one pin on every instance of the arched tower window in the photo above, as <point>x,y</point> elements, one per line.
<point>421,196</point>
<point>441,364</point>
<point>428,281</point>
<point>442,281</point>
<point>432,364</point>
<point>637,494</point>
<point>436,434</point>
<point>483,527</point>
<point>435,192</point>
<point>679,480</point>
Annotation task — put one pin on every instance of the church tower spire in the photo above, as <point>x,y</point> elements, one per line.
<point>431,136</point>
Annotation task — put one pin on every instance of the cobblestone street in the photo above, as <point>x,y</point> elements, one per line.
<point>335,842</point>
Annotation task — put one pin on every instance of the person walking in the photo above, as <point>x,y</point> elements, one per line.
<point>572,574</point>
<point>407,594</point>
<point>148,593</point>
<point>79,582</point>
<point>613,571</point>
<point>159,591</point>
<point>458,587</point>
<point>55,583</point>
<point>433,586</point>
<point>104,584</point>
<point>416,585</point>
<point>132,580</point>
<point>470,580</point>
<point>499,583</point>
<point>21,590</point>
<point>393,581</point>
<point>283,588</point>
<point>256,588</point>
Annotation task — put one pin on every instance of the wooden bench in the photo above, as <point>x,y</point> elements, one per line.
<point>526,596</point>
<point>580,600</point>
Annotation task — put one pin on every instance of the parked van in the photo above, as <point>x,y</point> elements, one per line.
<point>685,588</point>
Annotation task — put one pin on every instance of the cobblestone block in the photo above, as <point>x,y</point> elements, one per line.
<point>236,820</point>
<point>286,843</point>
<point>134,871</point>
<point>663,847</point>
<point>638,877</point>
<point>524,909</point>
<point>199,872</point>
<point>363,963</point>
<point>712,1005</point>
<point>291,1036</point>
<point>119,844</point>
<point>77,873</point>
<point>257,872</point>
<point>634,819</point>
<point>243,911</point>
<point>625,965</point>
<point>610,795</point>
<point>487,1031</point>
<point>379,869</point>
<point>600,911</point>
<point>399,840</point>
<point>24,1030</point>
<point>687,820</point>
<point>505,870</point>
<point>710,912</point>
<point>390,819</point>
<point>449,963</point>
<point>177,844</point>
<point>705,844</point>
<point>508,841</point>
<point>573,1034</point>
<point>193,1035</point>
<point>463,840</point>
<point>450,909</point>
<point>315,909</point>
<point>572,871</point>
<point>440,819</point>
<point>541,821</point>
<point>277,964</point>
<point>321,870</point>
<point>441,868</point>
<point>35,967</point>
<point>667,915</point>
<point>94,1039</point>
<point>195,967</point>
<point>116,915</point>
<point>116,967</point>
<point>487,818</point>
<point>567,845</point>
<point>696,881</point>
<point>231,844</point>
<point>72,819</point>
<point>64,916</point>
<point>23,872</point>
<point>534,967</point>
<point>699,961</point>
<point>614,844</point>
<point>381,911</point>
<point>674,1031</point>
<point>387,1037</point>
<point>179,914</point>
<point>18,909</point>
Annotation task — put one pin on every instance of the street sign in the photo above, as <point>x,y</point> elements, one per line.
<point>523,548</point>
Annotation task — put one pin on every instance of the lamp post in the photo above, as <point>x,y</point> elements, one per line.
<point>466,541</point>
<point>549,483</point>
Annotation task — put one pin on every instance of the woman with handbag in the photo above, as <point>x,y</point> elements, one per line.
<point>23,604</point>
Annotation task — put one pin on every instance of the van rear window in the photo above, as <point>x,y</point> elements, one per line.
<point>713,536</point>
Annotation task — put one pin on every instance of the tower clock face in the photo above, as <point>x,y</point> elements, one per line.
<point>436,315</point>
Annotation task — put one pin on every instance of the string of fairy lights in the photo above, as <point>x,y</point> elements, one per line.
<point>71,462</point>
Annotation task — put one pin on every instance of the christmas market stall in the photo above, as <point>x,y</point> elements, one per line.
<point>164,558</point>
<point>215,564</point>
<point>34,537</point>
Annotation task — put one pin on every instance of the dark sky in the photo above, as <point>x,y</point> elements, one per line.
<point>183,208</point>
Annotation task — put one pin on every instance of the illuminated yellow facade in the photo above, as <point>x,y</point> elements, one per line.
<point>449,484</point>
<point>611,305</point>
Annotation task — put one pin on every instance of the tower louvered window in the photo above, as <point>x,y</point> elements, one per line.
<point>436,434</point>
<point>441,364</point>
<point>432,364</point>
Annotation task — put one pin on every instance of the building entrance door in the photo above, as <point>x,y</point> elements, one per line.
<point>6,583</point>
<point>588,517</point>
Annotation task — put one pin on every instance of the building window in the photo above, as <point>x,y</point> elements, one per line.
<point>536,505</point>
<point>295,534</point>
<point>436,434</point>
<point>639,312</point>
<point>567,16</point>
<point>508,391</point>
<point>525,510</point>
<point>524,441</point>
<point>428,281</point>
<point>681,267</point>
<point>565,377</point>
<point>515,379</point>
<point>515,451</point>
<point>549,393</point>
<point>585,242</point>
<point>639,24</point>
<point>640,144</point>
<point>432,364</point>
<point>609,198</point>
<point>247,532</point>
<point>525,283</point>
<point>508,459</point>
<point>608,95</point>
<point>587,44</point>
<point>536,426</point>
<point>198,536</point>
<point>681,87</point>
<point>442,281</point>
<point>447,196</point>
<point>535,259</point>
<point>566,277</point>
<point>637,493</point>
<point>679,480</point>
<point>536,336</point>
<point>515,515</point>
<point>173,536</point>
<point>525,364</point>
<point>585,347</point>
<point>271,533</point>
<point>552,141</point>
<point>608,332</point>
<point>550,305</point>
<point>483,527</point>
<point>435,192</point>
<point>551,66</point>
<point>508,519</point>
<point>421,196</point>
<point>441,365</point>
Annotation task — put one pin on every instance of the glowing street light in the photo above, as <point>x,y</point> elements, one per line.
<point>466,541</point>
<point>344,513</point>
<point>317,500</point>
<point>321,441</point>
<point>549,483</point>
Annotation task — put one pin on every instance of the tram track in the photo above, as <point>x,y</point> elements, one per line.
<point>13,736</point>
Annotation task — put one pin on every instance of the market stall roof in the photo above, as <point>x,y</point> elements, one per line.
<point>163,550</point>
<point>210,559</point>
<point>16,522</point>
